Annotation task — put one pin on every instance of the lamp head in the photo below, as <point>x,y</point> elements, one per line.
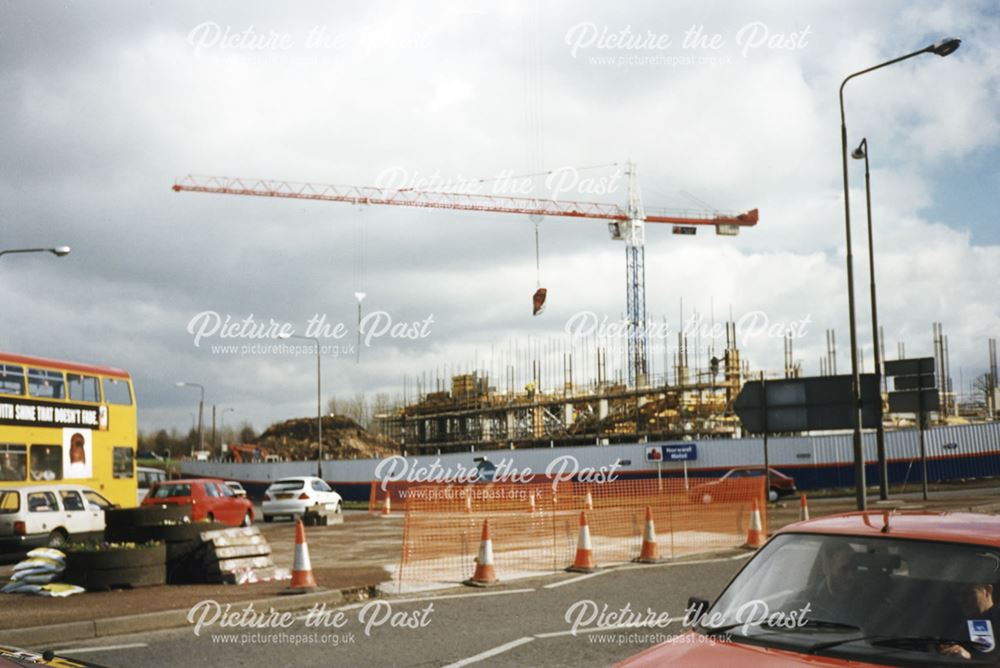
<point>861,151</point>
<point>180,383</point>
<point>60,251</point>
<point>945,47</point>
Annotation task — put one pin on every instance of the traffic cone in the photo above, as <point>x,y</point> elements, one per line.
<point>803,508</point>
<point>755,534</point>
<point>468,502</point>
<point>387,505</point>
<point>484,574</point>
<point>531,503</point>
<point>303,581</point>
<point>584,562</point>
<point>589,501</point>
<point>650,552</point>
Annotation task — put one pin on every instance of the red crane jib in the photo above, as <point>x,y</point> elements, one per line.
<point>444,200</point>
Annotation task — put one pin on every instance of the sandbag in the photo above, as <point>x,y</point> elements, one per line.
<point>41,564</point>
<point>47,553</point>
<point>60,590</point>
<point>32,577</point>
<point>21,588</point>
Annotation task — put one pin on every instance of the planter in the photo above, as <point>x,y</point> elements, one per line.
<point>145,515</point>
<point>112,566</point>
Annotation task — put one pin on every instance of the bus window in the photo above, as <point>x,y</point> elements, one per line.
<point>117,392</point>
<point>11,379</point>
<point>46,384</point>
<point>122,463</point>
<point>83,388</point>
<point>13,461</point>
<point>46,462</point>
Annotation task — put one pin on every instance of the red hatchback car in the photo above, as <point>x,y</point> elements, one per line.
<point>209,499</point>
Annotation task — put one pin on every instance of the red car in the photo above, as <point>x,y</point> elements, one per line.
<point>883,588</point>
<point>781,484</point>
<point>209,499</point>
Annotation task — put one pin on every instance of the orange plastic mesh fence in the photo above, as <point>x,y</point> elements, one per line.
<point>535,527</point>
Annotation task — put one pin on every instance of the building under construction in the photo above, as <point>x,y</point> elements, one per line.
<point>695,403</point>
<point>698,404</point>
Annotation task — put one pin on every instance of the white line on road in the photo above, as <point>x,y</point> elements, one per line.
<point>500,592</point>
<point>553,585</point>
<point>500,649</point>
<point>616,569</point>
<point>108,648</point>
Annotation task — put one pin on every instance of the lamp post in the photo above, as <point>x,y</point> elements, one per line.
<point>319,400</point>
<point>58,251</point>
<point>941,48</point>
<point>861,152</point>
<point>222,426</point>
<point>201,407</point>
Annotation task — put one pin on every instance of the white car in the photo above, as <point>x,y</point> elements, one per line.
<point>147,477</point>
<point>37,515</point>
<point>237,488</point>
<point>294,496</point>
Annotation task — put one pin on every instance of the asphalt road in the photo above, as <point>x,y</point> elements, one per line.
<point>527,623</point>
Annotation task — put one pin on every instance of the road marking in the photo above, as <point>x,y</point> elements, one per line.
<point>501,592</point>
<point>630,567</point>
<point>553,585</point>
<point>500,649</point>
<point>108,648</point>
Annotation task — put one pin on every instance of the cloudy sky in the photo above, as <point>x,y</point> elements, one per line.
<point>106,105</point>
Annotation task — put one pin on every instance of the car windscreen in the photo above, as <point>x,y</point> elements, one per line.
<point>167,490</point>
<point>865,598</point>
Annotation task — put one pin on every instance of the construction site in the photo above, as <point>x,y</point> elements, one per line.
<point>599,390</point>
<point>542,402</point>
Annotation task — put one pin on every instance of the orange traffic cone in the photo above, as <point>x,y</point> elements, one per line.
<point>531,503</point>
<point>387,505</point>
<point>755,534</point>
<point>803,508</point>
<point>303,581</point>
<point>484,574</point>
<point>468,502</point>
<point>589,501</point>
<point>650,552</point>
<point>584,562</point>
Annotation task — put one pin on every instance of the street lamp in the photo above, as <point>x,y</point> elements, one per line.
<point>222,425</point>
<point>319,400</point>
<point>861,153</point>
<point>941,48</point>
<point>58,251</point>
<point>201,406</point>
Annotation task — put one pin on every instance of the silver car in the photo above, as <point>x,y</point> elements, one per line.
<point>293,496</point>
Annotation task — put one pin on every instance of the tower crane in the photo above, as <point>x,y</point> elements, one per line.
<point>624,224</point>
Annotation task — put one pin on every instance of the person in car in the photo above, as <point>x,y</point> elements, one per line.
<point>830,594</point>
<point>980,624</point>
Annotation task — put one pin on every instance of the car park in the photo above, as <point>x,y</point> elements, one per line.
<point>210,499</point>
<point>293,496</point>
<point>52,515</point>
<point>866,588</point>
<point>781,484</point>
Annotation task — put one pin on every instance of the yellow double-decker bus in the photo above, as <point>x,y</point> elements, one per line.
<point>67,422</point>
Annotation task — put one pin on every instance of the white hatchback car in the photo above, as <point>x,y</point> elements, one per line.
<point>37,515</point>
<point>294,496</point>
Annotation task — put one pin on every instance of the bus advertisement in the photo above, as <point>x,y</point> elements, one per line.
<point>67,422</point>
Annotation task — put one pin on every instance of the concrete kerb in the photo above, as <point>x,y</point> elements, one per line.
<point>54,634</point>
